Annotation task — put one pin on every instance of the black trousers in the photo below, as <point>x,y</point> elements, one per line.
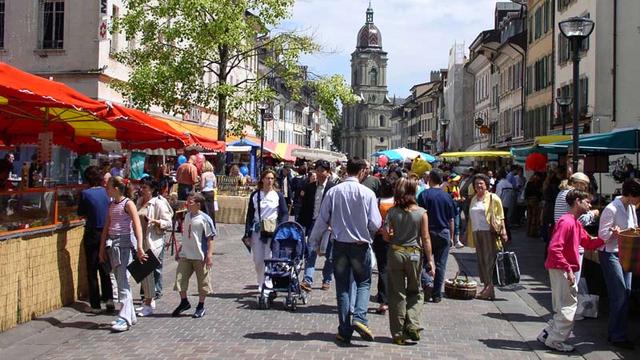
<point>380,248</point>
<point>91,240</point>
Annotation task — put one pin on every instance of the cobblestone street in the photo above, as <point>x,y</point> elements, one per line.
<point>233,328</point>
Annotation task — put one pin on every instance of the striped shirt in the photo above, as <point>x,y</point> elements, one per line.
<point>120,221</point>
<point>562,207</point>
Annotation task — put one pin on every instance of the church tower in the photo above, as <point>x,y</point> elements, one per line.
<point>366,125</point>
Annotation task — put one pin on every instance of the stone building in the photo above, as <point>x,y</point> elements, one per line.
<point>367,126</point>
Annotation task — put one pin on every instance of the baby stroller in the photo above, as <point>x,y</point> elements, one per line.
<point>283,269</point>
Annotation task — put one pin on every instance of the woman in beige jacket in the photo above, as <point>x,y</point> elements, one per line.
<point>479,233</point>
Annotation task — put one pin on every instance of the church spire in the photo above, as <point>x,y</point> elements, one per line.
<point>370,14</point>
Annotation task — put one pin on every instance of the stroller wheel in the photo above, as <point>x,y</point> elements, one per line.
<point>305,298</point>
<point>294,304</point>
<point>262,303</point>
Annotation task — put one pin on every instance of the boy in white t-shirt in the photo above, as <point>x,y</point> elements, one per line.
<point>195,254</point>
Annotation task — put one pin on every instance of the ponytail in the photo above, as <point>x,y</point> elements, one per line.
<point>122,185</point>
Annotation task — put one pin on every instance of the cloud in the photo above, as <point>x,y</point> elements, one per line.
<point>417,34</point>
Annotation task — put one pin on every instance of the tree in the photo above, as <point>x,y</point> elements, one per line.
<point>188,49</point>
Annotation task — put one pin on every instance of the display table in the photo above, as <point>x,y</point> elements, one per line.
<point>232,209</point>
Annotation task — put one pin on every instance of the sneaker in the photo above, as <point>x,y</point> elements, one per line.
<point>184,306</point>
<point>326,286</point>
<point>110,305</point>
<point>146,311</point>
<point>559,346</point>
<point>578,317</point>
<point>305,285</point>
<point>436,299</point>
<point>116,320</point>
<point>399,340</point>
<point>413,333</point>
<point>153,304</point>
<point>342,339</point>
<point>363,330</point>
<point>199,313</point>
<point>459,245</point>
<point>542,337</point>
<point>94,311</point>
<point>120,325</point>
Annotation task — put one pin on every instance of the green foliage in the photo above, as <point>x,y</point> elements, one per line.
<point>186,51</point>
<point>330,92</point>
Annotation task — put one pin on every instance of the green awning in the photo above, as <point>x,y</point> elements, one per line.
<point>624,141</point>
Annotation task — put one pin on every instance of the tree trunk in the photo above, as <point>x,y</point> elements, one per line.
<point>222,107</point>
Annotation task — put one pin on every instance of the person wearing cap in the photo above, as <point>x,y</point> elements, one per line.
<point>311,199</point>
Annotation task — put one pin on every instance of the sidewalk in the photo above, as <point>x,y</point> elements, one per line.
<point>234,329</point>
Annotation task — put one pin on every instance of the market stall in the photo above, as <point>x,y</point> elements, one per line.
<point>39,226</point>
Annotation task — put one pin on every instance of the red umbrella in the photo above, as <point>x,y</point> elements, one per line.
<point>536,162</point>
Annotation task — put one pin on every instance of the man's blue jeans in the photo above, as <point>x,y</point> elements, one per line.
<point>618,291</point>
<point>310,262</point>
<point>310,265</point>
<point>440,245</point>
<point>351,258</point>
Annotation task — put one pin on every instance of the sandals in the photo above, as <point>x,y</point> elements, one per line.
<point>382,309</point>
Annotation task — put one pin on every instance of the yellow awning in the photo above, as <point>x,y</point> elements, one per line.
<point>205,131</point>
<point>549,139</point>
<point>461,154</point>
<point>84,123</point>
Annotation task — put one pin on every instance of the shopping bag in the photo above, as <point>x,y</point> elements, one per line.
<point>629,250</point>
<point>506,271</point>
<point>587,303</point>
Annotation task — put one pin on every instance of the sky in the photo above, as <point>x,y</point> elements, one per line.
<point>416,34</point>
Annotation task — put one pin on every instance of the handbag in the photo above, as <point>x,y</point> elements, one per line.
<point>267,226</point>
<point>506,271</point>
<point>496,226</point>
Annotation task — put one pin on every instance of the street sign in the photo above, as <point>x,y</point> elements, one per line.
<point>103,7</point>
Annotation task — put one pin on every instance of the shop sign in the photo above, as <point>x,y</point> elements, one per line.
<point>103,7</point>
<point>103,30</point>
<point>45,144</point>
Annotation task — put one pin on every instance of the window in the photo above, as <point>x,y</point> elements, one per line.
<point>52,24</point>
<point>530,29</point>
<point>538,23</point>
<point>373,77</point>
<point>115,13</point>
<point>382,124</point>
<point>547,16</point>
<point>1,24</point>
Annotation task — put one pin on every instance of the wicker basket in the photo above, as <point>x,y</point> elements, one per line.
<point>629,250</point>
<point>460,287</point>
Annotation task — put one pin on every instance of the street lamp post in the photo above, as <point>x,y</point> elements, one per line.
<point>563,103</point>
<point>444,123</point>
<point>264,116</point>
<point>576,29</point>
<point>420,143</point>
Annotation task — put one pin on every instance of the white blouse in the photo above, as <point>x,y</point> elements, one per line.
<point>615,214</point>
<point>478,216</point>
<point>268,205</point>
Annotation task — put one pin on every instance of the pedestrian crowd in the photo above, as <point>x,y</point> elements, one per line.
<point>361,217</point>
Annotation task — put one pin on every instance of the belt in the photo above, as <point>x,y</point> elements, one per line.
<point>407,249</point>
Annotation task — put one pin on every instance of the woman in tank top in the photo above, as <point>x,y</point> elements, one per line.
<point>407,230</point>
<point>117,246</point>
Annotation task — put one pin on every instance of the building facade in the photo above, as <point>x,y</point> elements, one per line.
<point>480,65</point>
<point>540,108</point>
<point>458,97</point>
<point>596,81</point>
<point>367,126</point>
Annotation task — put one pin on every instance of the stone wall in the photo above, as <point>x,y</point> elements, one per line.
<point>40,273</point>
